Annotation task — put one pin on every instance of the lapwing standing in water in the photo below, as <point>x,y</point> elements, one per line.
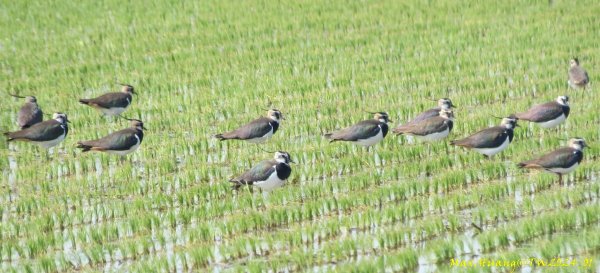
<point>492,140</point>
<point>365,133</point>
<point>268,174</point>
<point>121,142</point>
<point>30,113</point>
<point>443,103</point>
<point>430,129</point>
<point>112,104</point>
<point>258,130</point>
<point>561,161</point>
<point>46,134</point>
<point>548,115</point>
<point>578,77</point>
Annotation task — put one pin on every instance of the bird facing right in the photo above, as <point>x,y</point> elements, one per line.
<point>548,115</point>
<point>112,104</point>
<point>365,133</point>
<point>46,134</point>
<point>121,142</point>
<point>578,77</point>
<point>30,113</point>
<point>431,129</point>
<point>258,130</point>
<point>268,174</point>
<point>561,161</point>
<point>490,141</point>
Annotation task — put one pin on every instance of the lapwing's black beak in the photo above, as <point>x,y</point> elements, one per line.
<point>453,105</point>
<point>517,125</point>
<point>68,121</point>
<point>292,161</point>
<point>144,128</point>
<point>389,120</point>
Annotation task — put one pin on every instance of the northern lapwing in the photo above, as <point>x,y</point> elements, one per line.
<point>490,141</point>
<point>30,113</point>
<point>443,103</point>
<point>258,130</point>
<point>430,129</point>
<point>365,133</point>
<point>268,174</point>
<point>114,103</point>
<point>561,161</point>
<point>46,134</point>
<point>548,115</point>
<point>578,77</point>
<point>121,142</point>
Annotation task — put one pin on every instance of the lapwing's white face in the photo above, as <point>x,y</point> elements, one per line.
<point>275,115</point>
<point>563,100</point>
<point>382,117</point>
<point>127,89</point>
<point>577,143</point>
<point>137,124</point>
<point>574,62</point>
<point>447,114</point>
<point>30,99</point>
<point>282,157</point>
<point>445,103</point>
<point>60,117</point>
<point>509,123</point>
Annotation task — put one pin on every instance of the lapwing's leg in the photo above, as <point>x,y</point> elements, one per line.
<point>560,179</point>
<point>487,157</point>
<point>265,197</point>
<point>121,159</point>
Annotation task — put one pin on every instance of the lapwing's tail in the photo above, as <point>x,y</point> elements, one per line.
<point>221,137</point>
<point>8,136</point>
<point>236,184</point>
<point>528,164</point>
<point>84,148</point>
<point>84,101</point>
<point>459,142</point>
<point>398,130</point>
<point>330,137</point>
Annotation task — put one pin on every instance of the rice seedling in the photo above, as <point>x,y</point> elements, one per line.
<point>203,68</point>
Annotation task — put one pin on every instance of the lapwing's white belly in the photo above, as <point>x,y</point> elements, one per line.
<point>564,170</point>
<point>574,85</point>
<point>51,143</point>
<point>126,152</point>
<point>493,151</point>
<point>113,111</point>
<point>553,123</point>
<point>263,138</point>
<point>271,183</point>
<point>434,136</point>
<point>368,142</point>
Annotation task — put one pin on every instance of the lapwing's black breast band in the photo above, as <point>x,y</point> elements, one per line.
<point>275,126</point>
<point>384,128</point>
<point>283,171</point>
<point>566,109</point>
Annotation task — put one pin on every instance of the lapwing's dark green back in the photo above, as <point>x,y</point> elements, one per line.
<point>29,114</point>
<point>561,158</point>
<point>43,131</point>
<point>118,141</point>
<point>259,172</point>
<point>545,112</point>
<point>362,130</point>
<point>486,138</point>
<point>256,128</point>
<point>110,100</point>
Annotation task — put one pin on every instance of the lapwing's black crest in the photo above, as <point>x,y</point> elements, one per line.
<point>443,103</point>
<point>365,133</point>
<point>268,174</point>
<point>30,113</point>
<point>258,130</point>
<point>490,141</point>
<point>561,161</point>
<point>548,115</point>
<point>430,129</point>
<point>121,142</point>
<point>112,104</point>
<point>46,134</point>
<point>578,77</point>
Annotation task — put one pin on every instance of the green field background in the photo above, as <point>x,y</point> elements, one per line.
<point>204,67</point>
